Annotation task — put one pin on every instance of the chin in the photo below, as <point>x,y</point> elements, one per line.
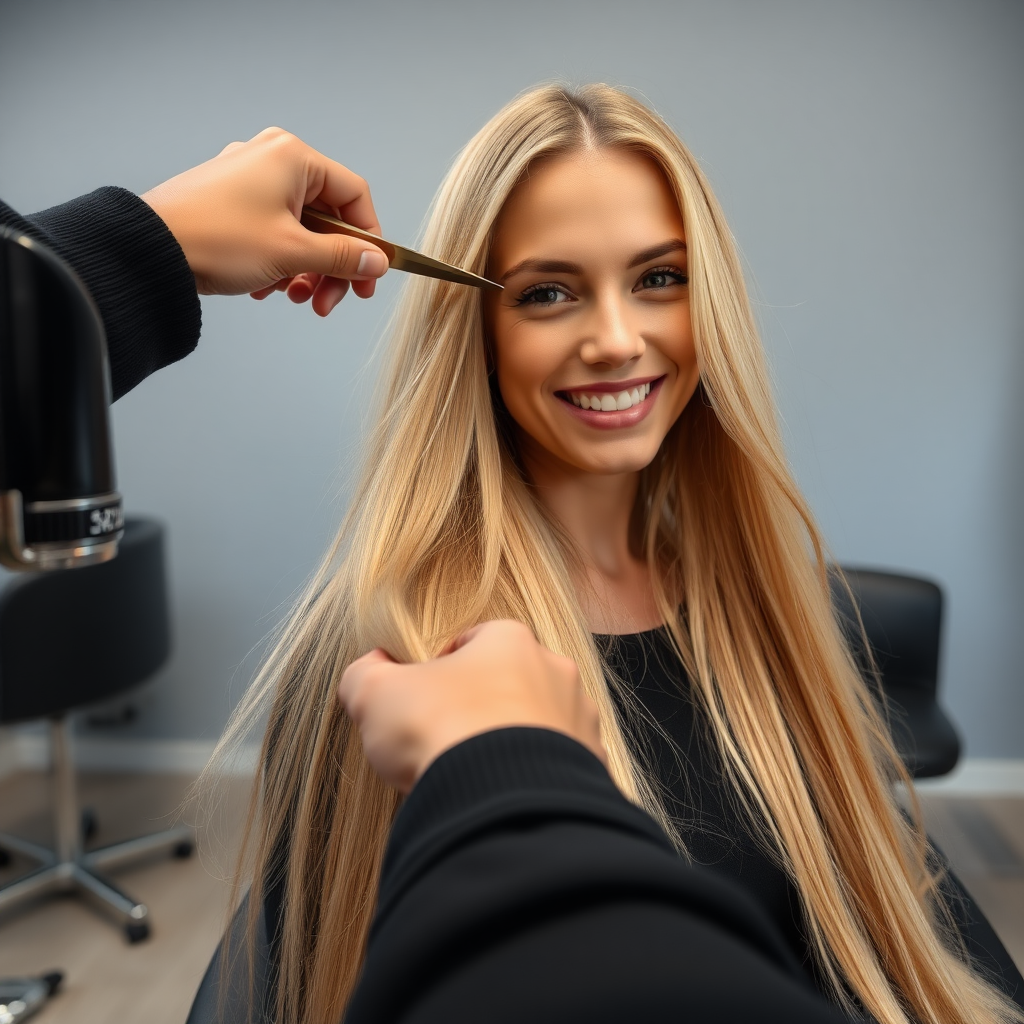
<point>614,463</point>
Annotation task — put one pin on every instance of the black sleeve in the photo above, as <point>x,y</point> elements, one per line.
<point>519,885</point>
<point>134,270</point>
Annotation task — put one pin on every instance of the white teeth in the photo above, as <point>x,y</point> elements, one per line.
<point>610,403</point>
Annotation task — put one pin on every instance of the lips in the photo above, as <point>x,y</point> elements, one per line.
<point>612,404</point>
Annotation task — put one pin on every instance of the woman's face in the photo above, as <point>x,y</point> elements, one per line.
<point>592,341</point>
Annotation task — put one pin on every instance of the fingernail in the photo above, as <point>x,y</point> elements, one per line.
<point>371,264</point>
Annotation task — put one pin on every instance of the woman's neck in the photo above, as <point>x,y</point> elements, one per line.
<point>597,511</point>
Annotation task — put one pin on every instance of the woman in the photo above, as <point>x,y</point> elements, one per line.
<point>594,451</point>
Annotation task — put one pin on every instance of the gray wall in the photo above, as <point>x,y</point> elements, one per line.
<point>868,153</point>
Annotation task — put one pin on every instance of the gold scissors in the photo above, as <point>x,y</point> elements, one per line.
<point>399,258</point>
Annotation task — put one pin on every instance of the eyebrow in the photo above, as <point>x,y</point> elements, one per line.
<point>543,266</point>
<point>657,251</point>
<point>540,266</point>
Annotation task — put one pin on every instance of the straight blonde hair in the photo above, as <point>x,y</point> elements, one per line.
<point>444,531</point>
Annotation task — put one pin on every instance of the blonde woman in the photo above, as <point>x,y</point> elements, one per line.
<point>594,453</point>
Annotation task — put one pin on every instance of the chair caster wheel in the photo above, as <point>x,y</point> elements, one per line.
<point>183,850</point>
<point>5,858</point>
<point>137,931</point>
<point>89,824</point>
<point>52,981</point>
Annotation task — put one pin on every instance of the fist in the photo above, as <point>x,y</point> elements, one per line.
<point>494,676</point>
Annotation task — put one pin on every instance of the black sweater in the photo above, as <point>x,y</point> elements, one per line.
<point>519,885</point>
<point>134,270</point>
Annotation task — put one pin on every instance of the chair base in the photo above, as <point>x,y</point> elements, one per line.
<point>81,876</point>
<point>69,870</point>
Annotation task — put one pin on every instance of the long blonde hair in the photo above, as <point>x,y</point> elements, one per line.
<point>444,531</point>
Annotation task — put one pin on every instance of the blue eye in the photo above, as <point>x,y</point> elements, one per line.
<point>542,295</point>
<point>661,277</point>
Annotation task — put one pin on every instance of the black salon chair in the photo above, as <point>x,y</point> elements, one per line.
<point>902,618</point>
<point>69,639</point>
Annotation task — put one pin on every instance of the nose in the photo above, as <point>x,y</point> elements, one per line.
<point>611,337</point>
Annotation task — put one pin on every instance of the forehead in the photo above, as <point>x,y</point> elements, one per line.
<point>585,203</point>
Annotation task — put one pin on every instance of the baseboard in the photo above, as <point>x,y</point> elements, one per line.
<point>26,751</point>
<point>979,776</point>
<point>21,751</point>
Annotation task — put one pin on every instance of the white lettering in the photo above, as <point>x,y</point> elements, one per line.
<point>105,520</point>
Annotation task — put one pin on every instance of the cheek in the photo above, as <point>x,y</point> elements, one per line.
<point>686,355</point>
<point>521,367</point>
<point>677,342</point>
<point>671,333</point>
<point>687,381</point>
<point>518,391</point>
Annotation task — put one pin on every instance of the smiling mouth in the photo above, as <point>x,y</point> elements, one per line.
<point>608,401</point>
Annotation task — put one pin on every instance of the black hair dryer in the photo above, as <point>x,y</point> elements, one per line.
<point>58,503</point>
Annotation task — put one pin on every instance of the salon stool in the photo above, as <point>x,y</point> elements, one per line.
<point>68,639</point>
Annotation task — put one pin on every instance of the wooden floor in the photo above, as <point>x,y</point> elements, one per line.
<point>108,981</point>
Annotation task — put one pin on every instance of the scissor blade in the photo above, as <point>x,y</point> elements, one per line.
<point>399,257</point>
<point>413,262</point>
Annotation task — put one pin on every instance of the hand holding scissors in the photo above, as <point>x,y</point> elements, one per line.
<point>237,220</point>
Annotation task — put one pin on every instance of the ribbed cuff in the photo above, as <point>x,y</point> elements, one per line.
<point>500,762</point>
<point>137,276</point>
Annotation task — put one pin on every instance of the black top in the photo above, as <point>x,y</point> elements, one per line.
<point>712,824</point>
<point>715,830</point>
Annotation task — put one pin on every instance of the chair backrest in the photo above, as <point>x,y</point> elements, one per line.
<point>902,617</point>
<point>76,636</point>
